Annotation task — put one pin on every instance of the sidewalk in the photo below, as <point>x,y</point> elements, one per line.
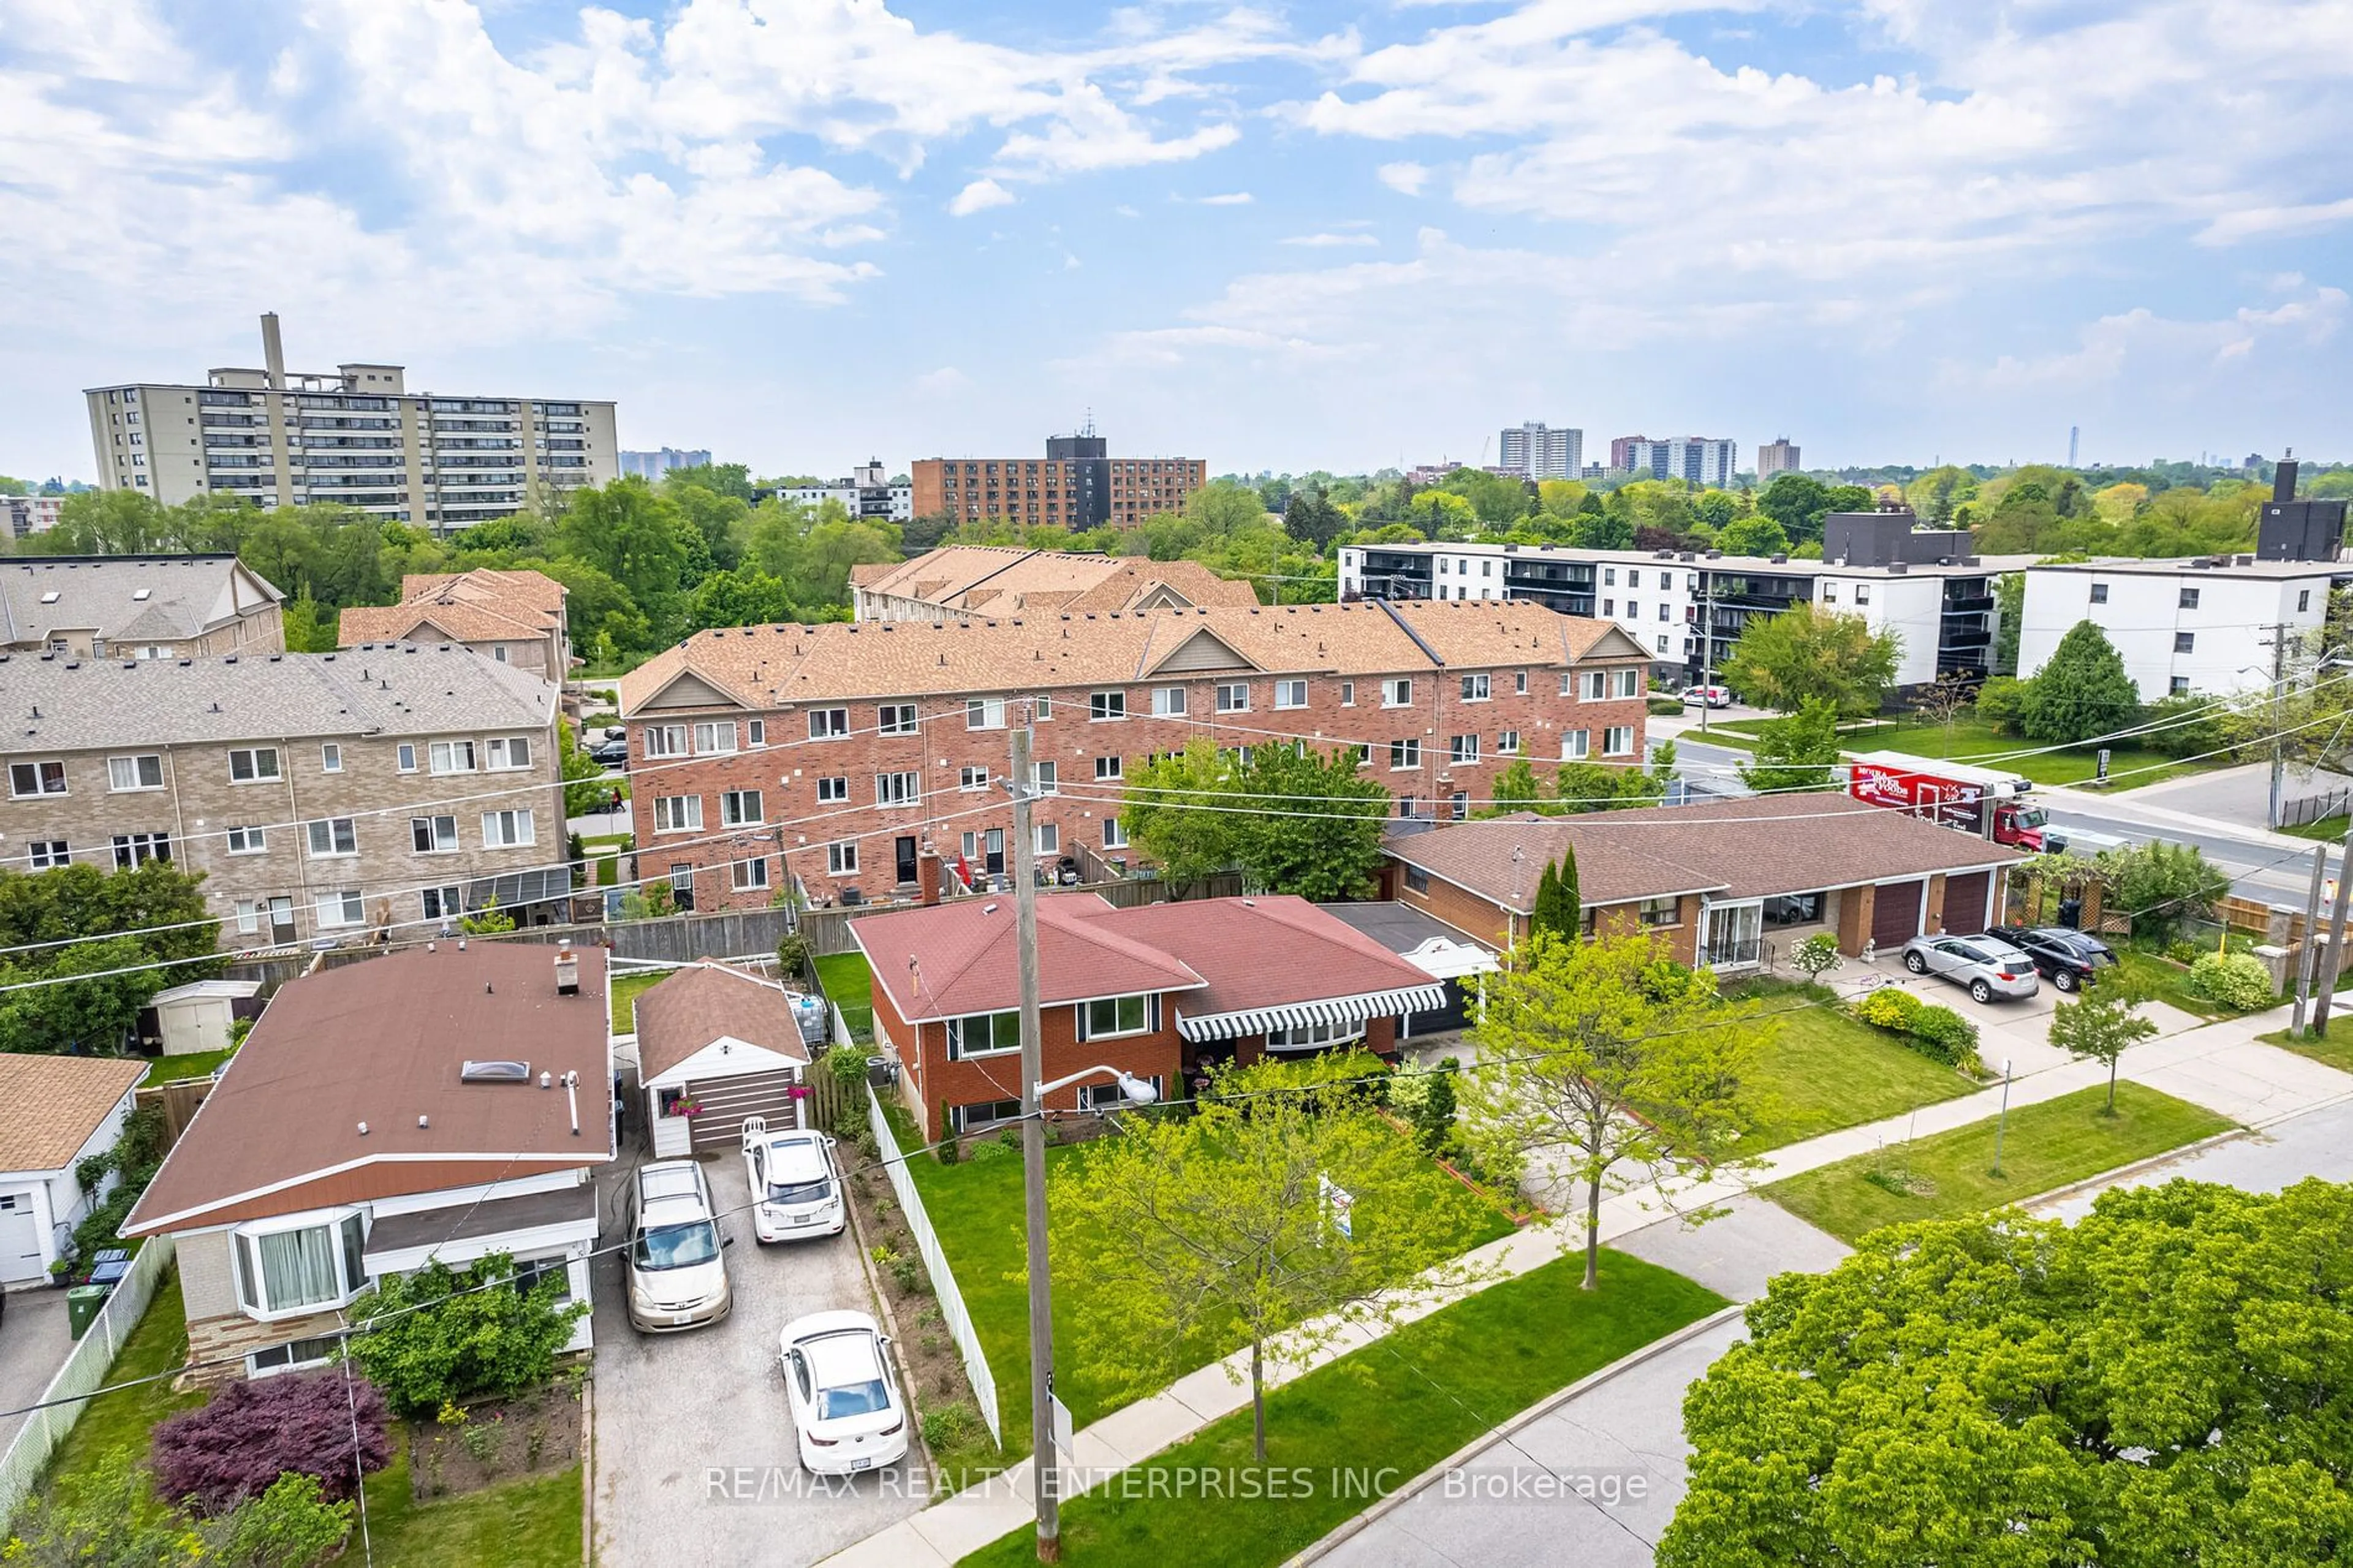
<point>2219,1066</point>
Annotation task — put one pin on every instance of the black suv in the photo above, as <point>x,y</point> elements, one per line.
<point>2068,958</point>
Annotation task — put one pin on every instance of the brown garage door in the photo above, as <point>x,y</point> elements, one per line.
<point>1965,903</point>
<point>1896,914</point>
<point>725,1102</point>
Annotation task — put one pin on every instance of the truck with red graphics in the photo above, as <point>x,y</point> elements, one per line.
<point>1975,800</point>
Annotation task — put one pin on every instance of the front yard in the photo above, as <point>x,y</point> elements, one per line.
<point>1822,1070</point>
<point>1398,1406</point>
<point>2047,1146</point>
<point>1970,740</point>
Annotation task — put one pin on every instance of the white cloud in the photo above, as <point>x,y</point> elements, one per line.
<point>2142,345</point>
<point>1225,199</point>
<point>1329,241</point>
<point>1405,178</point>
<point>2259,223</point>
<point>978,196</point>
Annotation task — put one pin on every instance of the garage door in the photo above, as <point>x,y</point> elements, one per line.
<point>20,1237</point>
<point>1965,903</point>
<point>1895,913</point>
<point>725,1102</point>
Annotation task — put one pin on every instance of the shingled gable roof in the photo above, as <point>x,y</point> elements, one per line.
<point>997,580</point>
<point>1270,951</point>
<point>708,1001</point>
<point>783,666</point>
<point>55,1103</point>
<point>959,958</point>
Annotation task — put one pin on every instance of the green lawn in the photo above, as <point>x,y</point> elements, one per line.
<point>191,1064</point>
<point>1968,740</point>
<point>2157,976</point>
<point>2336,1051</point>
<point>531,1523</point>
<point>1401,1404</point>
<point>608,870</point>
<point>2328,830</point>
<point>850,986</point>
<point>976,1207</point>
<point>2048,1146</point>
<point>1822,1070</point>
<point>626,990</point>
<point>123,1418</point>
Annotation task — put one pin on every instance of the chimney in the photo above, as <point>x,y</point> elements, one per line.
<point>567,970</point>
<point>2284,478</point>
<point>273,353</point>
<point>927,875</point>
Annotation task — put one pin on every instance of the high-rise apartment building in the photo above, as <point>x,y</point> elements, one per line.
<point>1537,451</point>
<point>358,437</point>
<point>1779,457</point>
<point>653,464</point>
<point>1699,460</point>
<point>1078,485</point>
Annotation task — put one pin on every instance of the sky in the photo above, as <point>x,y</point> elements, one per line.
<point>805,232</point>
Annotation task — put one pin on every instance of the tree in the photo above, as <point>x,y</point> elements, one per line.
<point>2081,691</point>
<point>326,1425</point>
<point>1312,518</point>
<point>1559,909</point>
<point>742,598</point>
<point>92,912</point>
<point>1794,752</point>
<point>2100,1027</point>
<point>441,1335</point>
<point>1285,1210</point>
<point>2163,1382</point>
<point>1798,502</point>
<point>632,534</point>
<point>2162,886</point>
<point>108,523</point>
<point>1317,834</point>
<point>2009,605</point>
<point>1172,812</point>
<point>1752,536</point>
<point>1782,660</point>
<point>1222,506</point>
<point>1516,788</point>
<point>308,628</point>
<point>1936,494</point>
<point>1598,1056</point>
<point>583,789</point>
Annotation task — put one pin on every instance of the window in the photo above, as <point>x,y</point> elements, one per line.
<point>1609,577</point>
<point>498,652</point>
<point>452,756</point>
<point>841,860</point>
<point>1634,577</point>
<point>47,853</point>
<point>36,778</point>
<point>1793,910</point>
<point>1043,709</point>
<point>1507,743</point>
<point>333,836</point>
<point>749,875</point>
<point>1050,777</point>
<point>678,813</point>
<point>756,732</point>
<point>1405,754</point>
<point>1233,696</point>
<point>669,739</point>
<point>898,789</point>
<point>1661,912</point>
<point>144,772</point>
<point>1347,694</point>
<point>1462,748</point>
<point>1110,1096</point>
<point>2304,599</point>
<point>1417,880</point>
<point>2181,687</point>
<point>511,752</point>
<point>2184,642</point>
<point>987,1113</point>
<point>710,739</point>
<point>984,713</point>
<point>1863,593</point>
<point>331,758</point>
<point>1290,694</point>
<point>1576,744</point>
<point>1049,838</point>
<point>828,723</point>
<point>1106,705</point>
<point>1617,741</point>
<point>1108,1017</point>
<point>1115,833</point>
<point>832,791</point>
<point>433,835</point>
<point>1109,768</point>
<point>1396,693</point>
<point>1629,682</point>
<point>2189,598</point>
<point>1519,683</point>
<point>1593,685</point>
<point>253,765</point>
<point>1475,689</point>
<point>740,808</point>
<point>292,1357</point>
<point>299,1268</point>
<point>1458,804</point>
<point>442,903</point>
<point>407,755</point>
<point>1168,702</point>
<point>1662,613</point>
<point>973,778</point>
<point>1633,611</point>
<point>342,908</point>
<point>1830,593</point>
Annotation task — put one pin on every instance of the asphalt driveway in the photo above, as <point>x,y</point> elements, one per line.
<point>33,1344</point>
<point>695,1461</point>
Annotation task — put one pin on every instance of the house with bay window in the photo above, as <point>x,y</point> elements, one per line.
<point>440,1103</point>
<point>1164,992</point>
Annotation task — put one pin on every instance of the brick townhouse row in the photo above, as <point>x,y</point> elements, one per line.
<point>836,757</point>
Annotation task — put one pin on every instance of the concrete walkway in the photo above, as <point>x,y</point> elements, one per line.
<point>2220,1066</point>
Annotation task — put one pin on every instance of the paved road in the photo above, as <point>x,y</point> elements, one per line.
<point>33,1344</point>
<point>2317,1143</point>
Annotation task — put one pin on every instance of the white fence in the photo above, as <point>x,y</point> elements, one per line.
<point>927,1242</point>
<point>86,1367</point>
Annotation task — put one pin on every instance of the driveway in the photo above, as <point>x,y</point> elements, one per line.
<point>2020,1029</point>
<point>695,1461</point>
<point>33,1344</point>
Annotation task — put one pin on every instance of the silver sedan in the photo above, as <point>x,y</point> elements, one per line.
<point>1987,967</point>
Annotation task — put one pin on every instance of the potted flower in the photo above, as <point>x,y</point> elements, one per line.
<point>686,1105</point>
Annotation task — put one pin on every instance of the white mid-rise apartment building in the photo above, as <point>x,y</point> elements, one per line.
<point>868,493</point>
<point>1700,459</point>
<point>357,436</point>
<point>2205,623</point>
<point>1539,451</point>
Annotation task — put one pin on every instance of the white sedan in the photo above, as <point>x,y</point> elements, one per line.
<point>848,1412</point>
<point>795,1185</point>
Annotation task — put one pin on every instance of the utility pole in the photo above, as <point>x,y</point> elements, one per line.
<point>2326,988</point>
<point>2311,948</point>
<point>2279,739</point>
<point>1045,1465</point>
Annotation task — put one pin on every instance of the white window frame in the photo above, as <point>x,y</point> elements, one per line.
<point>665,740</point>
<point>1397,691</point>
<point>48,854</point>
<point>436,841</point>
<point>444,757</point>
<point>1347,694</point>
<point>1047,838</point>
<point>1479,687</point>
<point>338,830</point>
<point>1593,686</point>
<point>1233,696</point>
<point>331,757</point>
<point>405,756</point>
<point>896,719</point>
<point>983,712</point>
<point>1507,742</point>
<point>508,753</point>
<point>972,777</point>
<point>1291,693</point>
<point>350,910</point>
<point>833,789</point>
<point>714,737</point>
<point>749,875</point>
<point>133,762</point>
<point>511,828</point>
<point>756,733</point>
<point>254,773</point>
<point>1404,755</point>
<point>250,1284</point>
<point>678,813</point>
<point>1002,1027</point>
<point>841,857</point>
<point>730,807</point>
<point>1629,682</point>
<point>40,767</point>
<point>1147,1016</point>
<point>1117,771</point>
<point>1107,707</point>
<point>1617,741</point>
<point>898,789</point>
<point>1048,777</point>
<point>1463,749</point>
<point>1576,745</point>
<point>828,723</point>
<point>1168,702</point>
<point>1115,833</point>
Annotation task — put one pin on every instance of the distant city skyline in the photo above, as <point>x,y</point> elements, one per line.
<point>1334,235</point>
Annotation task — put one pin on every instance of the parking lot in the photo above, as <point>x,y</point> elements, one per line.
<point>695,1461</point>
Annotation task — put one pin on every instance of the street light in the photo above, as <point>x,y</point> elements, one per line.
<point>1139,1091</point>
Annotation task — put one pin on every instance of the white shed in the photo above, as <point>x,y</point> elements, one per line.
<point>717,1044</point>
<point>197,1016</point>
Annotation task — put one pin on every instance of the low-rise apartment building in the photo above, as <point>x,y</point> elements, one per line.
<point>21,517</point>
<point>515,618</point>
<point>2203,623</point>
<point>868,493</point>
<point>138,606</point>
<point>971,582</point>
<point>835,758</point>
<point>387,789</point>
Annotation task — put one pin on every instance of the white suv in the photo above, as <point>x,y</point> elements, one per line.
<point>795,1187</point>
<point>677,1278</point>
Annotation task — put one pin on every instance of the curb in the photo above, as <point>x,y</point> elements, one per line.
<point>588,1472</point>
<point>1533,1413</point>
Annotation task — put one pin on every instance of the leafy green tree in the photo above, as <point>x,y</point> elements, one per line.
<point>1752,536</point>
<point>1798,502</point>
<point>2002,702</point>
<point>1796,751</point>
<point>634,536</point>
<point>584,790</point>
<point>1516,788</point>
<point>730,480</point>
<point>442,1334</point>
<point>2101,1026</point>
<point>2161,1381</point>
<point>107,522</point>
<point>1312,518</point>
<point>308,627</point>
<point>1781,661</point>
<point>2162,886</point>
<point>1496,502</point>
<point>107,1516</point>
<point>1603,1064</point>
<point>744,598</point>
<point>1319,834</point>
<point>1222,506</point>
<point>1228,1224</point>
<point>1605,787</point>
<point>1938,493</point>
<point>2081,692</point>
<point>1559,909</point>
<point>91,912</point>
<point>1172,816</point>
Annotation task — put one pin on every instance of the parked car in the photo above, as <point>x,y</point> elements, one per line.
<point>1987,967</point>
<point>616,731</point>
<point>2071,959</point>
<point>795,1185</point>
<point>610,753</point>
<point>677,1279</point>
<point>1713,696</point>
<point>848,1412</point>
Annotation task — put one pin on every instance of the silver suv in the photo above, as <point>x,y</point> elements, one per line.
<point>1988,966</point>
<point>677,1278</point>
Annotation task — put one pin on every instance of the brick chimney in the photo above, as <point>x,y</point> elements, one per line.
<point>928,871</point>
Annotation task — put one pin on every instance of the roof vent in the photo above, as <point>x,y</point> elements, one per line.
<point>50,597</point>
<point>141,593</point>
<point>495,1072</point>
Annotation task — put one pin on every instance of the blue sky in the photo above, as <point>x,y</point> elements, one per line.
<point>801,232</point>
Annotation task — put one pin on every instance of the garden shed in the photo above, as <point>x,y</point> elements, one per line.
<point>717,1044</point>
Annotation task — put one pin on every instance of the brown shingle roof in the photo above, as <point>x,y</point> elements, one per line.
<point>993,580</point>
<point>430,622</point>
<point>1731,848</point>
<point>705,1002</point>
<point>54,1103</point>
<point>382,1041</point>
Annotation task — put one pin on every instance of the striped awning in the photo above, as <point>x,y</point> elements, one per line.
<point>1295,1014</point>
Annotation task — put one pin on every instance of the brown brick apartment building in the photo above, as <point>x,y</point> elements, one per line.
<point>837,756</point>
<point>1077,485</point>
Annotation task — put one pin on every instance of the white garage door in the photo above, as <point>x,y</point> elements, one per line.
<point>20,1237</point>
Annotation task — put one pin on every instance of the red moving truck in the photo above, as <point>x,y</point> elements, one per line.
<point>1974,800</point>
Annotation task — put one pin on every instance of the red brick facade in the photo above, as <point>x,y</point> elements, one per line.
<point>1047,490</point>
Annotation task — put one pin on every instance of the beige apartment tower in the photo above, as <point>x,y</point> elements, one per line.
<point>358,436</point>
<point>1777,456</point>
